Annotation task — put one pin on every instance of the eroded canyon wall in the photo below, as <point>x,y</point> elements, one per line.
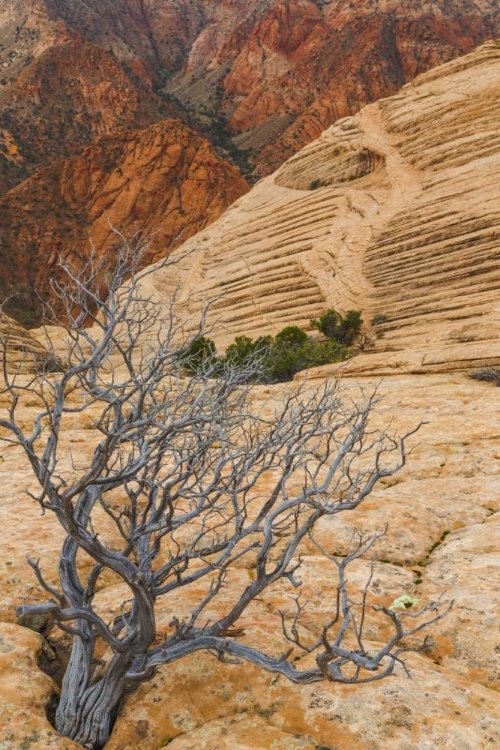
<point>164,181</point>
<point>260,79</point>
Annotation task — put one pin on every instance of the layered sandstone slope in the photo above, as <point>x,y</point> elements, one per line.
<point>165,181</point>
<point>20,351</point>
<point>394,212</point>
<point>444,537</point>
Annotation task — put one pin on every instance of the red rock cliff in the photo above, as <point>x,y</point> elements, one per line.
<point>165,180</point>
<point>277,71</point>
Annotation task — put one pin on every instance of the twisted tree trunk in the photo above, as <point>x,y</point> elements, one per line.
<point>86,708</point>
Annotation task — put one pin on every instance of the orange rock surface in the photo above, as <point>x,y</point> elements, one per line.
<point>70,108</point>
<point>68,96</point>
<point>164,180</point>
<point>393,211</point>
<point>289,68</point>
<point>451,699</point>
<point>277,71</point>
<point>59,90</point>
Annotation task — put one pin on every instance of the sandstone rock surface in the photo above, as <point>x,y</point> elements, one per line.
<point>404,223</point>
<point>25,694</point>
<point>164,180</point>
<point>22,351</point>
<point>277,72</point>
<point>393,212</point>
<point>443,537</point>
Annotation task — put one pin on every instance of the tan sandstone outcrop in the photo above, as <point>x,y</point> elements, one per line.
<point>403,223</point>
<point>443,538</point>
<point>22,352</point>
<point>393,212</point>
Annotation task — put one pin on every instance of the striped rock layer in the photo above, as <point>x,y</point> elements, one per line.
<point>395,212</point>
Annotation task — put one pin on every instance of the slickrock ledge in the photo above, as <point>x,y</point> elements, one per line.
<point>394,211</point>
<point>443,512</point>
<point>24,353</point>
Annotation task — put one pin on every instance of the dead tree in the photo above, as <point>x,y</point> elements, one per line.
<point>192,474</point>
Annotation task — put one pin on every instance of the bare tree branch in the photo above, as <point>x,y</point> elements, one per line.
<point>193,475</point>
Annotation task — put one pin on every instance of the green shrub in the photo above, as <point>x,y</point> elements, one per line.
<point>251,357</point>
<point>244,349</point>
<point>287,361</point>
<point>278,359</point>
<point>200,353</point>
<point>341,328</point>
<point>291,336</point>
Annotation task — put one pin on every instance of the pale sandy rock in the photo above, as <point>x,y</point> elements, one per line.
<point>317,595</point>
<point>37,535</point>
<point>23,352</point>
<point>466,567</point>
<point>415,522</point>
<point>393,211</point>
<point>241,733</point>
<point>443,538</point>
<point>261,623</point>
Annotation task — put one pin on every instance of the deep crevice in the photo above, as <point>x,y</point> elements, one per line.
<point>425,560</point>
